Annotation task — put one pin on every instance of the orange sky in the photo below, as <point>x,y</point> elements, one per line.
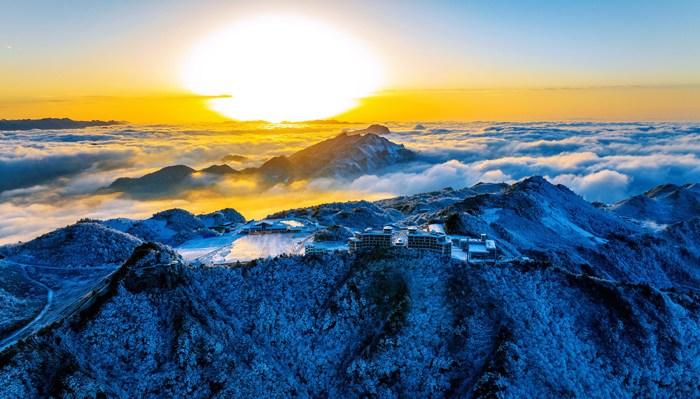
<point>516,61</point>
<point>605,103</point>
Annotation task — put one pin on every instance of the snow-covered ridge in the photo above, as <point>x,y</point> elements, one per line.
<point>176,226</point>
<point>662,205</point>
<point>387,326</point>
<point>607,308</point>
<point>350,154</point>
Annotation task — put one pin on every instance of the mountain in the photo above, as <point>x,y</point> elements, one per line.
<point>373,326</point>
<point>662,205</point>
<point>219,170</point>
<point>235,158</point>
<point>50,124</point>
<point>221,217</point>
<point>356,215</point>
<point>604,308</point>
<point>175,226</point>
<point>85,244</point>
<point>169,180</point>
<point>540,220</point>
<point>348,155</point>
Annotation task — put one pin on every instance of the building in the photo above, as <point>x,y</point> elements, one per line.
<point>425,241</point>
<point>479,250</point>
<point>269,227</point>
<point>371,239</point>
<point>311,248</point>
<point>410,238</point>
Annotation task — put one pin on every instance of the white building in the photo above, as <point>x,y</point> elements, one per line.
<point>479,250</point>
<point>269,227</point>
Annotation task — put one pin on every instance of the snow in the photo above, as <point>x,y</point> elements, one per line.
<point>652,225</point>
<point>200,247</point>
<point>436,228</point>
<point>266,245</point>
<point>394,326</point>
<point>560,223</point>
<point>490,215</point>
<point>398,324</point>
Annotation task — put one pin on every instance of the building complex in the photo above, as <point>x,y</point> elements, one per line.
<point>391,237</point>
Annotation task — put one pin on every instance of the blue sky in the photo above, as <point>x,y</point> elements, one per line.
<point>427,43</point>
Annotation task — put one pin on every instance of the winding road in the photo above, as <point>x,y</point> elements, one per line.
<point>27,329</point>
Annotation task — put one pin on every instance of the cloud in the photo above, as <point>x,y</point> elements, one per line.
<point>604,186</point>
<point>448,174</point>
<point>48,178</point>
<point>16,173</point>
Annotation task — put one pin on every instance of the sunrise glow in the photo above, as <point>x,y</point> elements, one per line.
<point>281,68</point>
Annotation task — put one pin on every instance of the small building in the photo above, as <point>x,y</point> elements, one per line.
<point>481,250</point>
<point>269,227</point>
<point>311,248</point>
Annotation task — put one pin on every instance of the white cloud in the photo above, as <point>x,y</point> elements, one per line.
<point>42,171</point>
<point>604,186</point>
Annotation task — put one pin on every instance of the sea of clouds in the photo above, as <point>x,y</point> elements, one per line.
<point>49,178</point>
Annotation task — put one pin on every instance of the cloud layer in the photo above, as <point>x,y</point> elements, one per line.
<point>48,178</point>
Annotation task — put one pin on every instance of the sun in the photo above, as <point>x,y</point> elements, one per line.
<point>281,68</point>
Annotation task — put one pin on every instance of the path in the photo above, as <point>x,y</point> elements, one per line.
<point>12,338</point>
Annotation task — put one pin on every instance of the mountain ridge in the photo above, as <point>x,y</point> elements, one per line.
<point>604,307</point>
<point>347,155</point>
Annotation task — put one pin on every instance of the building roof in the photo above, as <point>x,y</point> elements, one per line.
<point>478,248</point>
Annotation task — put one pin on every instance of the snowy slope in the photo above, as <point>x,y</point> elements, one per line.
<point>664,204</point>
<point>393,326</point>
<point>175,226</point>
<point>84,244</point>
<point>607,309</point>
<point>354,215</point>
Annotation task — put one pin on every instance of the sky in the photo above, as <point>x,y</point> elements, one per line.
<point>441,60</point>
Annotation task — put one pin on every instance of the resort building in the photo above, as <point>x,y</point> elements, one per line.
<point>269,227</point>
<point>370,239</point>
<point>390,237</point>
<point>425,241</point>
<point>479,250</point>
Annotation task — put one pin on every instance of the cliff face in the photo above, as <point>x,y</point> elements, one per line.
<point>382,325</point>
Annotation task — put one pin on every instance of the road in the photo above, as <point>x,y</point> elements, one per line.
<point>28,328</point>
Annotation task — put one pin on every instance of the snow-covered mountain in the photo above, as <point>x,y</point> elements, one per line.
<point>176,226</point>
<point>664,204</point>
<point>84,244</point>
<point>394,326</point>
<point>608,308</point>
<point>350,154</point>
<point>356,215</point>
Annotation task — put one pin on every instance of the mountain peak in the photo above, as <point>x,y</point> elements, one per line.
<point>222,169</point>
<point>371,129</point>
<point>83,244</point>
<point>663,204</point>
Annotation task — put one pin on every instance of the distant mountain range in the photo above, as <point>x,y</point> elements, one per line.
<point>664,204</point>
<point>350,154</point>
<point>608,306</point>
<point>50,123</point>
